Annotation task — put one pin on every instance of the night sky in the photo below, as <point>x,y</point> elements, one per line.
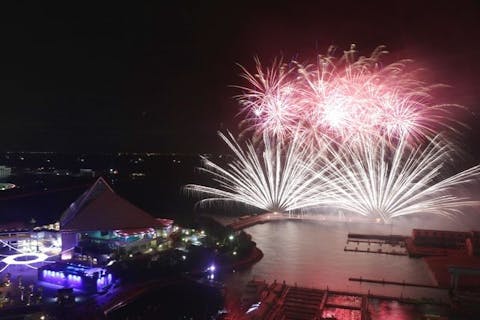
<point>108,76</point>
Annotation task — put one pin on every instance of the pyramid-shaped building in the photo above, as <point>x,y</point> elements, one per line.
<point>100,209</point>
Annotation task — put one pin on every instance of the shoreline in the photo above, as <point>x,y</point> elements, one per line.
<point>131,292</point>
<point>253,257</point>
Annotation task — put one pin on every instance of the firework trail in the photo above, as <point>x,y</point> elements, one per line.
<point>276,177</point>
<point>370,177</point>
<point>345,132</point>
<point>375,180</point>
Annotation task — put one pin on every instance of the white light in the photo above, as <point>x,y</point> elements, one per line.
<point>19,258</point>
<point>254,307</point>
<point>110,263</point>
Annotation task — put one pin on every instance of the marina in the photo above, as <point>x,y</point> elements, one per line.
<point>283,301</point>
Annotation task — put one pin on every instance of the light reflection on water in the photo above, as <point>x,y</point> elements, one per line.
<point>311,254</point>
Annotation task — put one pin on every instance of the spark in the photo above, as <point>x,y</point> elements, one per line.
<point>347,132</point>
<point>269,103</point>
<point>375,180</point>
<point>276,176</point>
<point>343,97</point>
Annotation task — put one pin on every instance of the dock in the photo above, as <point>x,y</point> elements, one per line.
<point>396,283</point>
<point>308,303</point>
<point>282,301</point>
<point>251,220</point>
<point>374,243</point>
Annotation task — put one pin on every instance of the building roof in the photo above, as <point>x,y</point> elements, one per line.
<point>131,232</point>
<point>100,208</point>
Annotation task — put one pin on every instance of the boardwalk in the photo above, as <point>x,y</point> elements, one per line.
<point>381,244</point>
<point>280,301</point>
<point>286,302</point>
<point>248,221</point>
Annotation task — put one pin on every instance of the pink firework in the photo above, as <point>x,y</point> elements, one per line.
<point>271,102</point>
<point>342,98</point>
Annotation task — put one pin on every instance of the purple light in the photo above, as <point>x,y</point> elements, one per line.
<point>59,277</point>
<point>77,277</point>
<point>104,281</point>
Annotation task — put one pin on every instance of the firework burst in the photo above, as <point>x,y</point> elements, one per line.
<point>345,132</point>
<point>271,102</point>
<point>375,180</point>
<point>342,98</point>
<point>276,177</point>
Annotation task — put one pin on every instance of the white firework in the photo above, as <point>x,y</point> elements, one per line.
<point>276,176</point>
<point>377,179</point>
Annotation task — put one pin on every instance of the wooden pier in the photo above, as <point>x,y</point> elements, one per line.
<point>396,283</point>
<point>374,243</point>
<point>379,251</point>
<point>251,220</point>
<point>282,301</point>
<point>391,238</point>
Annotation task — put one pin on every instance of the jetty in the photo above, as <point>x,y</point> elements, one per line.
<point>377,243</point>
<point>251,220</point>
<point>396,283</point>
<point>282,301</point>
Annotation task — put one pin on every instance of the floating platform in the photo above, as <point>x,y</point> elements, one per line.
<point>374,243</point>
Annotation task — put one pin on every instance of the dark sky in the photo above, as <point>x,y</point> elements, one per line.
<point>155,76</point>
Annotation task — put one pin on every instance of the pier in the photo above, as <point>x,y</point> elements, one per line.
<point>396,283</point>
<point>377,243</point>
<point>282,301</point>
<point>251,220</point>
<point>294,302</point>
<point>379,238</point>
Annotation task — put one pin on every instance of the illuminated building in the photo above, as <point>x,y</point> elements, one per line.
<point>98,225</point>
<point>77,276</point>
<point>22,246</point>
<point>100,222</point>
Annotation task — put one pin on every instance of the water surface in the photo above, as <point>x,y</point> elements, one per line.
<point>311,254</point>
